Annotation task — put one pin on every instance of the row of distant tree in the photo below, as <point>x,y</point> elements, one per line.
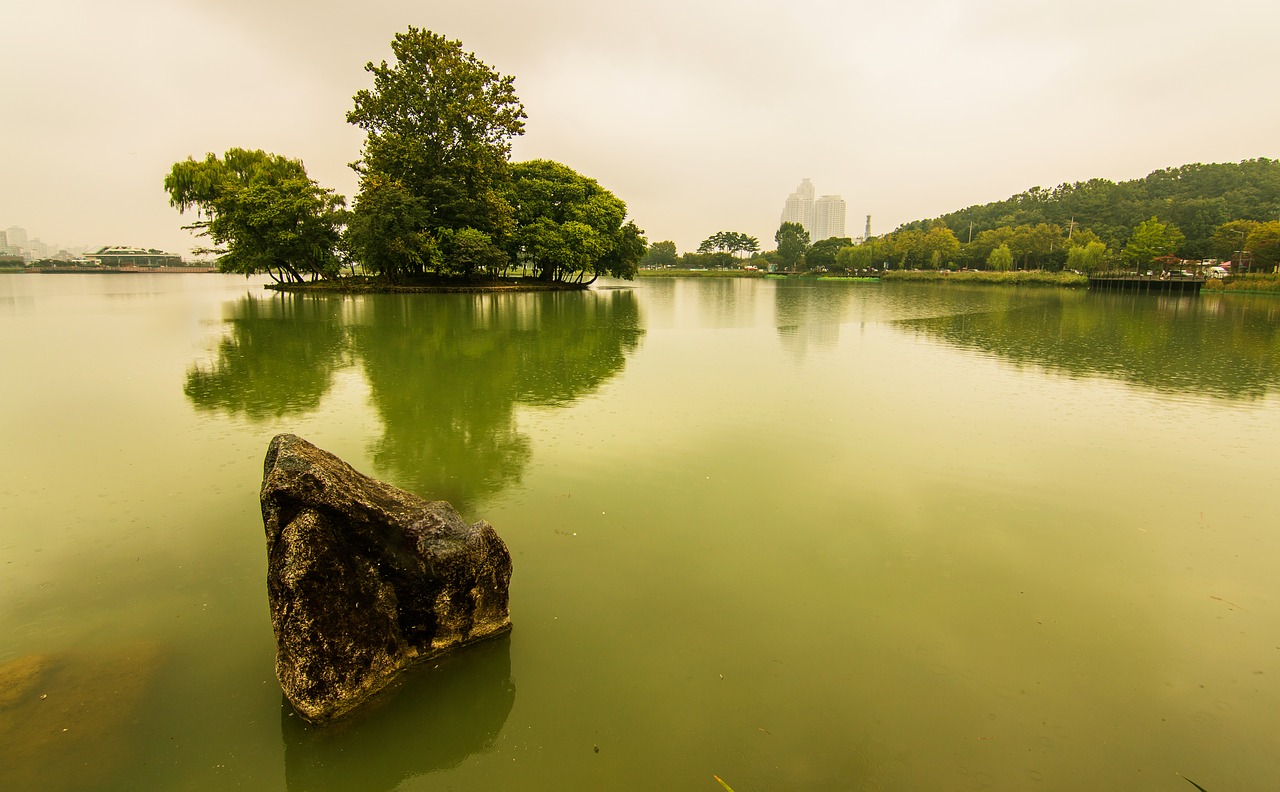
<point>438,193</point>
<point>1223,211</point>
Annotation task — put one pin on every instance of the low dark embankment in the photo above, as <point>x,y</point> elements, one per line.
<point>360,284</point>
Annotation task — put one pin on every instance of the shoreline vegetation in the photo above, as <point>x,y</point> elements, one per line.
<point>376,284</point>
<point>1015,278</point>
<point>1267,283</point>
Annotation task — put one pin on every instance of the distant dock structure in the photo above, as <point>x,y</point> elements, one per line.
<point>1147,284</point>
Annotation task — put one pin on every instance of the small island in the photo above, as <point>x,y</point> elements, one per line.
<point>440,208</point>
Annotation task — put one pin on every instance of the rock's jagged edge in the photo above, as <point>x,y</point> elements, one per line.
<point>365,580</point>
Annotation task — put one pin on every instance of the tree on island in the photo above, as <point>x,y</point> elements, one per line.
<point>440,122</point>
<point>792,241</point>
<point>265,212</point>
<point>567,227</point>
<point>437,193</point>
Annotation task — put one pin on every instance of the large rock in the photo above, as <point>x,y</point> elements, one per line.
<point>364,580</point>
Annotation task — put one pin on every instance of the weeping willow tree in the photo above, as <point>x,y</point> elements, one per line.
<point>261,212</point>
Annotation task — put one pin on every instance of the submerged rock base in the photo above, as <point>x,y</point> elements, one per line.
<point>364,580</point>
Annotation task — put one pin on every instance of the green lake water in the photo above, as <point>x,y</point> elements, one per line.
<point>802,536</point>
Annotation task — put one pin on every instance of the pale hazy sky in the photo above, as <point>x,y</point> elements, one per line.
<point>701,114</point>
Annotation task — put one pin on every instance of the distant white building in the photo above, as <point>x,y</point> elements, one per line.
<point>822,218</point>
<point>799,207</point>
<point>828,218</point>
<point>122,256</point>
<point>15,241</point>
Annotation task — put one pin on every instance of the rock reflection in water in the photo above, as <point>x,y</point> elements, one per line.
<point>437,716</point>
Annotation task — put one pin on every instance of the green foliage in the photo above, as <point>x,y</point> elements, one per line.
<point>1091,257</point>
<point>660,254</point>
<point>709,261</point>
<point>386,230</point>
<point>1150,240</point>
<point>467,253</point>
<point>1230,238</point>
<point>857,257</point>
<point>568,227</point>
<point>1018,278</point>
<point>732,242</point>
<point>437,193</point>
<point>1000,259</point>
<point>824,253</point>
<point>440,122</point>
<point>1263,245</point>
<point>793,242</point>
<point>1198,198</point>
<point>264,209</point>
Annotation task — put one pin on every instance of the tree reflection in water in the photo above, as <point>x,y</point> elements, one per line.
<point>445,372</point>
<point>1222,346</point>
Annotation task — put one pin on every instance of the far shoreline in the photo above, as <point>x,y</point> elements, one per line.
<point>358,284</point>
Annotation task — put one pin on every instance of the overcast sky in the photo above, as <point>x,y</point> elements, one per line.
<point>703,115</point>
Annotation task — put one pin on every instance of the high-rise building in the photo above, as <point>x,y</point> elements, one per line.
<point>16,237</point>
<point>799,207</point>
<point>822,218</point>
<point>828,218</point>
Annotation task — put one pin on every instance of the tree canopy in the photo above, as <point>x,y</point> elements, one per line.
<point>568,227</point>
<point>437,196</point>
<point>792,241</point>
<point>732,242</point>
<point>1197,198</point>
<point>1151,240</point>
<point>660,254</point>
<point>823,253</point>
<point>440,122</point>
<point>263,211</point>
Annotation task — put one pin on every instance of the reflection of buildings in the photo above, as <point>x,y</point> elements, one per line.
<point>822,218</point>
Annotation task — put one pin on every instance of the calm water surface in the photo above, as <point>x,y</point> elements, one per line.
<point>801,536</point>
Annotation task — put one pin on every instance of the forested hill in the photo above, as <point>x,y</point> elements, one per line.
<point>1196,198</point>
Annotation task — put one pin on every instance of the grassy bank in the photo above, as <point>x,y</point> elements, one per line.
<point>1018,278</point>
<point>1258,284</point>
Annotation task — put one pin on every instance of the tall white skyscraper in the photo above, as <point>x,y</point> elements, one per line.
<point>822,218</point>
<point>799,207</point>
<point>828,218</point>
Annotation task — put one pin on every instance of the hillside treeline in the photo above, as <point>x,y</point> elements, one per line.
<point>1197,199</point>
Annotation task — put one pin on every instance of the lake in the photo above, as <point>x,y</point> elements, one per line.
<point>798,535</point>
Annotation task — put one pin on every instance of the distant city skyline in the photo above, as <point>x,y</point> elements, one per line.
<point>16,241</point>
<point>821,218</point>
